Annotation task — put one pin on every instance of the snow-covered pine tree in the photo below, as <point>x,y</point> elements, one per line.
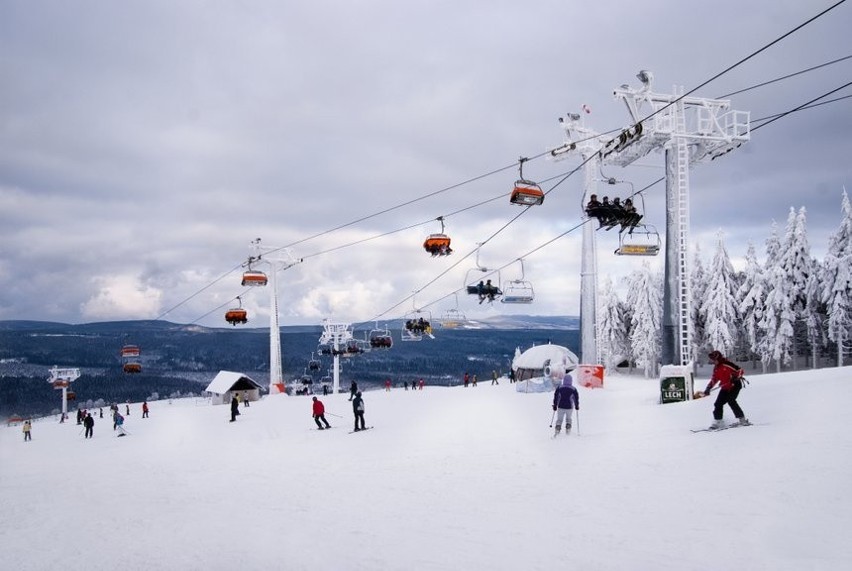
<point>778,316</point>
<point>612,328</point>
<point>646,299</point>
<point>719,306</point>
<point>836,278</point>
<point>797,265</point>
<point>815,317</point>
<point>751,298</point>
<point>699,286</point>
<point>768,324</point>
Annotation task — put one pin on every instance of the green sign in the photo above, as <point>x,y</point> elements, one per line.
<point>673,389</point>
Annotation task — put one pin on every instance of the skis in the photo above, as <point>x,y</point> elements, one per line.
<point>362,430</point>
<point>726,427</point>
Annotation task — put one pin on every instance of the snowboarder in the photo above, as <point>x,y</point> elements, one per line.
<point>565,399</point>
<point>27,430</point>
<point>235,408</point>
<point>729,376</point>
<point>358,409</point>
<point>119,423</point>
<point>319,414</point>
<point>89,423</point>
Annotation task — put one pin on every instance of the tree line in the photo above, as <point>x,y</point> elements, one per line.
<point>777,314</point>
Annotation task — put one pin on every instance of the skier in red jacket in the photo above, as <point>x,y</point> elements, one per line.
<point>729,377</point>
<point>319,414</point>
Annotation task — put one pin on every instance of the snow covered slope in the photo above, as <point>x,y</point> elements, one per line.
<point>451,478</point>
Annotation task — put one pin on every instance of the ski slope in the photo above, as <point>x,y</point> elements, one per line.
<point>450,478</point>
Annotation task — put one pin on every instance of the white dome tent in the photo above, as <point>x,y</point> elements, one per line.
<point>538,368</point>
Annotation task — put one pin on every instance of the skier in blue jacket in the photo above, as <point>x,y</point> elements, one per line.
<point>565,399</point>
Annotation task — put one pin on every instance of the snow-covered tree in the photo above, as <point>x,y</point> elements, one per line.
<point>814,318</point>
<point>719,306</point>
<point>612,327</point>
<point>836,281</point>
<point>698,281</point>
<point>646,299</point>
<point>751,298</point>
<point>797,267</point>
<point>778,316</point>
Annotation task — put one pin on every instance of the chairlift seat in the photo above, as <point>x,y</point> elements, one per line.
<point>254,279</point>
<point>526,193</point>
<point>642,240</point>
<point>438,245</point>
<point>517,298</point>
<point>234,316</point>
<point>638,250</point>
<point>130,351</point>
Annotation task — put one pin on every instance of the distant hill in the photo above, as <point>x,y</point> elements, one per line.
<point>182,359</point>
<point>505,322</point>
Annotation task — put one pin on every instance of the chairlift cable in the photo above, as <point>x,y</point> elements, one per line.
<point>783,77</point>
<point>713,78</point>
<point>800,107</point>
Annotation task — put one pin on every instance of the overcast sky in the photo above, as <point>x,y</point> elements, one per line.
<point>144,144</point>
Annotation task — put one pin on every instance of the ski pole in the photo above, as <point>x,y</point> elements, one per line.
<point>578,422</point>
<point>332,414</point>
<point>554,410</point>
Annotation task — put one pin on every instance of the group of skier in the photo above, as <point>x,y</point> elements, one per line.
<point>728,375</point>
<point>611,214</point>
<point>566,399</point>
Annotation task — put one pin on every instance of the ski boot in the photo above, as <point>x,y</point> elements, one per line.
<point>743,421</point>
<point>717,424</point>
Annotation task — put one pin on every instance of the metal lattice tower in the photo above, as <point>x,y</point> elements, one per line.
<point>689,130</point>
<point>336,335</point>
<point>678,189</point>
<point>61,378</point>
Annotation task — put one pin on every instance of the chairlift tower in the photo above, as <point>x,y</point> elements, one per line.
<point>588,144</point>
<point>61,378</point>
<point>336,335</point>
<point>689,130</point>
<point>275,259</point>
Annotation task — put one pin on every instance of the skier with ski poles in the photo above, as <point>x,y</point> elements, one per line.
<point>730,379</point>
<point>319,414</point>
<point>566,398</point>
